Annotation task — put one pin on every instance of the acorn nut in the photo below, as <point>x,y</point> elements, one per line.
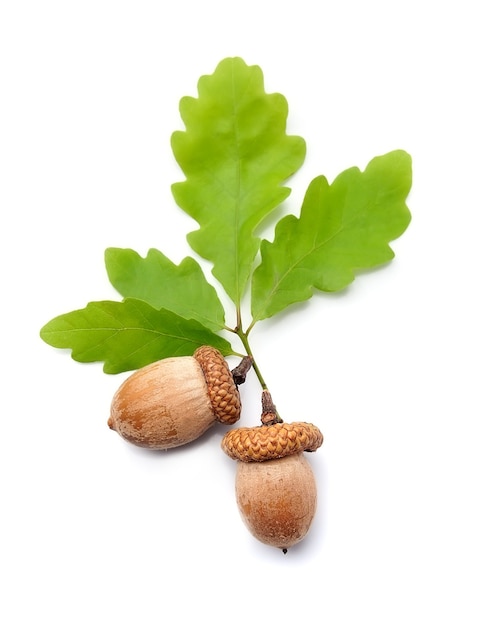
<point>174,401</point>
<point>275,485</point>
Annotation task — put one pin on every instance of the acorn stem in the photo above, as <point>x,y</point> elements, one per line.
<point>269,412</point>
<point>269,415</point>
<point>239,373</point>
<point>245,342</point>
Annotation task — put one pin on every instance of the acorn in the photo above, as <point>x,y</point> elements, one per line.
<point>174,401</point>
<point>275,486</point>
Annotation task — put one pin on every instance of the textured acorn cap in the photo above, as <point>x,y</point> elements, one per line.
<point>264,443</point>
<point>221,388</point>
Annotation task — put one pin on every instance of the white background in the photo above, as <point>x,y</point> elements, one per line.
<point>94,531</point>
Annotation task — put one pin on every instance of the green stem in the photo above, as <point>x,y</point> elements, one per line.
<point>269,411</point>
<point>251,326</point>
<point>245,342</point>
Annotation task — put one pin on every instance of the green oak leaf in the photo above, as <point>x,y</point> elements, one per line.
<point>155,279</point>
<point>128,335</point>
<point>235,155</point>
<point>342,228</point>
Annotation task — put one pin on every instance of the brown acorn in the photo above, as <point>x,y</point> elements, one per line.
<point>275,485</point>
<point>174,401</point>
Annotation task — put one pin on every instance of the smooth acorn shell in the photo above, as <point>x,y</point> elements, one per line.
<point>277,499</point>
<point>163,405</point>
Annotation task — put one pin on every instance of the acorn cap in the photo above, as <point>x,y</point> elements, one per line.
<point>221,388</point>
<point>264,443</point>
